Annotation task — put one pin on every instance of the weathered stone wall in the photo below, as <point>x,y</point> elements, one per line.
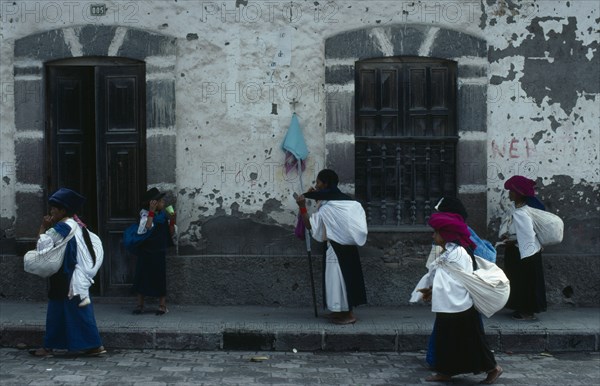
<point>543,108</point>
<point>217,112</point>
<point>30,54</point>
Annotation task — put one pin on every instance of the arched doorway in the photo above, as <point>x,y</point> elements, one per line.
<point>101,48</point>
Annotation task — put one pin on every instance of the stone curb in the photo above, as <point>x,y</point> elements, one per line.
<point>333,341</point>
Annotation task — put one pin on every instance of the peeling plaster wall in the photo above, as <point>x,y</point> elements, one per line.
<point>233,109</point>
<point>7,148</point>
<point>544,110</point>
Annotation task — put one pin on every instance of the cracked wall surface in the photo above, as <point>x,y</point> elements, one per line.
<point>529,103</point>
<point>545,85</point>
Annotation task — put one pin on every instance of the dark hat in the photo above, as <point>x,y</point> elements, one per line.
<point>68,199</point>
<point>152,194</point>
<point>452,205</point>
<point>328,177</point>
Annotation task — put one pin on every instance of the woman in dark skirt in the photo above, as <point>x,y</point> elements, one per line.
<point>460,342</point>
<point>151,272</point>
<point>523,255</point>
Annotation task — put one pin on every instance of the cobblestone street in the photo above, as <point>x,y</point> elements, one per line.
<point>153,367</point>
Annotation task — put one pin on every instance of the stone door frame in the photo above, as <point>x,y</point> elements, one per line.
<point>470,53</point>
<point>30,55</point>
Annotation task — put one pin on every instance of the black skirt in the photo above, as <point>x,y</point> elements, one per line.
<point>151,274</point>
<point>460,344</point>
<point>527,283</point>
<point>151,267</point>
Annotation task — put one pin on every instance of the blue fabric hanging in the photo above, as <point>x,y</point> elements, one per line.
<point>294,145</point>
<point>294,140</point>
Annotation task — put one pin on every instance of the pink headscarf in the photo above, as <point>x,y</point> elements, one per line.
<point>78,221</point>
<point>452,228</point>
<point>521,185</point>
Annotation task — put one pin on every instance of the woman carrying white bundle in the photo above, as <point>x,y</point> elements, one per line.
<point>460,342</point>
<point>70,320</point>
<point>523,254</point>
<point>339,221</point>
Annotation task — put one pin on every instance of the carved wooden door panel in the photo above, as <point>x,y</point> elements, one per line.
<point>96,145</point>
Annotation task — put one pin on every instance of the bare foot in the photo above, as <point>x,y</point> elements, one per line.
<point>492,376</point>
<point>344,317</point>
<point>331,315</point>
<point>438,378</point>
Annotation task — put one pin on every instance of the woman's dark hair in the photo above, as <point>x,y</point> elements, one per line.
<point>328,177</point>
<point>88,243</point>
<point>452,205</point>
<point>472,254</point>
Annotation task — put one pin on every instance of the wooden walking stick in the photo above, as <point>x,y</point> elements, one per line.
<point>307,236</point>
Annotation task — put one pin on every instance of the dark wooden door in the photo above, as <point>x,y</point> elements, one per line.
<point>72,136</point>
<point>96,145</point>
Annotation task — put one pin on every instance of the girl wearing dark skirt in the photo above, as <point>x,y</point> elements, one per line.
<point>151,271</point>
<point>523,255</point>
<point>460,341</point>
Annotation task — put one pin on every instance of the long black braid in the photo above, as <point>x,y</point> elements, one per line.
<point>88,242</point>
<point>84,231</point>
<point>470,252</point>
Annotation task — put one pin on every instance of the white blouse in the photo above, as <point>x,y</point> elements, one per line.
<point>448,294</point>
<point>521,229</point>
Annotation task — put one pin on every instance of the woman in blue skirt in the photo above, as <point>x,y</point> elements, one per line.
<point>70,322</point>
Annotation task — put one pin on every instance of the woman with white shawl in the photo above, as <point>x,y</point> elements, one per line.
<point>460,342</point>
<point>341,223</point>
<point>70,320</point>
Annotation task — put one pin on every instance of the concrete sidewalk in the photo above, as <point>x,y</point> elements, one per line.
<point>190,327</point>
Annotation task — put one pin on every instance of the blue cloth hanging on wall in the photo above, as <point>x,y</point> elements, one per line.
<point>294,145</point>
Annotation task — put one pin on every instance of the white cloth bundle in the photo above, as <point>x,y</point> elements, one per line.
<point>48,257</point>
<point>342,221</point>
<point>532,228</point>
<point>488,285</point>
<point>548,227</point>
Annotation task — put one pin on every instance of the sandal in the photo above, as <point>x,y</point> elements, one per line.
<point>161,310</point>
<point>94,352</point>
<point>41,352</point>
<point>139,309</point>
<point>492,376</point>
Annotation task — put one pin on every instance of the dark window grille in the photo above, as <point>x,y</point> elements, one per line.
<point>405,138</point>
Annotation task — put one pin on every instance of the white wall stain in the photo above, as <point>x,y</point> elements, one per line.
<point>382,38</point>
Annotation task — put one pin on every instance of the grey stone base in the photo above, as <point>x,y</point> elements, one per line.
<point>18,284</point>
<point>390,276</point>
